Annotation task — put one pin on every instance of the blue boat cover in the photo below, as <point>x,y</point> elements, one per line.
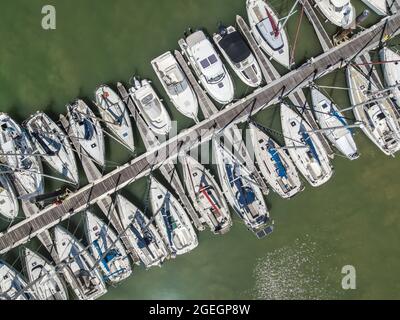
<point>277,159</point>
<point>308,141</point>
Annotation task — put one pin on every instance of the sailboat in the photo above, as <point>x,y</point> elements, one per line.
<point>86,128</point>
<point>115,115</point>
<point>107,249</point>
<point>275,165</point>
<point>53,143</point>
<point>48,284</point>
<point>268,31</point>
<point>176,85</point>
<point>141,233</point>
<point>329,116</point>
<point>171,219</point>
<point>206,195</point>
<point>12,284</point>
<point>27,167</point>
<point>391,71</point>
<point>80,263</point>
<point>8,200</point>
<point>379,119</point>
<point>305,148</point>
<point>339,12</point>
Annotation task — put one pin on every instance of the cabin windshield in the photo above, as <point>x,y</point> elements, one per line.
<point>151,106</point>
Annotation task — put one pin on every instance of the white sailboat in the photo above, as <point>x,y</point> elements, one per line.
<point>141,233</point>
<point>53,143</point>
<point>339,12</point>
<point>12,284</point>
<point>9,207</point>
<point>379,6</point>
<point>206,195</point>
<point>15,143</point>
<point>391,71</point>
<point>268,31</point>
<point>305,148</point>
<point>48,284</point>
<point>171,219</point>
<point>81,265</point>
<point>151,107</point>
<point>176,85</point>
<point>239,56</point>
<point>115,114</point>
<point>208,67</point>
<point>87,130</point>
<point>379,119</point>
<point>275,165</point>
<point>329,116</point>
<point>107,249</point>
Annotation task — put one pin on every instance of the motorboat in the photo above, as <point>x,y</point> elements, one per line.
<point>54,145</point>
<point>236,51</point>
<point>305,148</point>
<point>275,165</point>
<point>172,220</point>
<point>107,248</point>
<point>208,66</point>
<point>378,117</point>
<point>176,85</point>
<point>328,116</point>
<point>87,130</point>
<point>115,115</point>
<point>339,12</point>
<point>380,7</point>
<point>391,71</point>
<point>151,107</point>
<point>141,233</point>
<point>48,285</point>
<point>268,32</point>
<point>9,207</point>
<point>206,195</point>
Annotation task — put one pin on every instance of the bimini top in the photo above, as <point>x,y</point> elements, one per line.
<point>235,47</point>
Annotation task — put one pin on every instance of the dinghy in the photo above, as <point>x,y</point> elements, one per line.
<point>268,31</point>
<point>239,56</point>
<point>53,143</point>
<point>108,249</point>
<point>115,115</point>
<point>339,12</point>
<point>151,107</point>
<point>275,165</point>
<point>86,128</point>
<point>240,189</point>
<point>8,200</point>
<point>379,119</point>
<point>305,149</point>
<point>206,195</point>
<point>12,284</point>
<point>20,159</point>
<point>391,71</point>
<point>329,116</point>
<point>171,219</point>
<point>176,85</point>
<point>141,233</point>
<point>208,67</point>
<point>48,284</point>
<point>379,6</point>
<point>80,263</point>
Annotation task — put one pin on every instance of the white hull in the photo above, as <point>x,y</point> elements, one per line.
<point>342,18</point>
<point>305,148</point>
<point>275,165</point>
<point>391,71</point>
<point>12,283</point>
<point>206,195</point>
<point>87,129</point>
<point>379,6</point>
<point>142,234</point>
<point>328,116</point>
<point>115,114</point>
<point>9,204</point>
<point>176,85</point>
<point>172,220</point>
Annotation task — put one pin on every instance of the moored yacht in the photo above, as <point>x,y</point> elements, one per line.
<point>115,115</point>
<point>151,107</point>
<point>329,116</point>
<point>238,54</point>
<point>176,85</point>
<point>268,31</point>
<point>391,71</point>
<point>206,195</point>
<point>379,6</point>
<point>208,66</point>
<point>338,12</point>
<point>8,199</point>
<point>379,119</point>
<point>53,143</point>
<point>12,284</point>
<point>305,148</point>
<point>141,233</point>
<point>87,130</point>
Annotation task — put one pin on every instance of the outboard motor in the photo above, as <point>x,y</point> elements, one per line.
<point>362,17</point>
<point>222,30</point>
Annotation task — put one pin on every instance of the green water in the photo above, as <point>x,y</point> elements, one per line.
<point>352,220</point>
